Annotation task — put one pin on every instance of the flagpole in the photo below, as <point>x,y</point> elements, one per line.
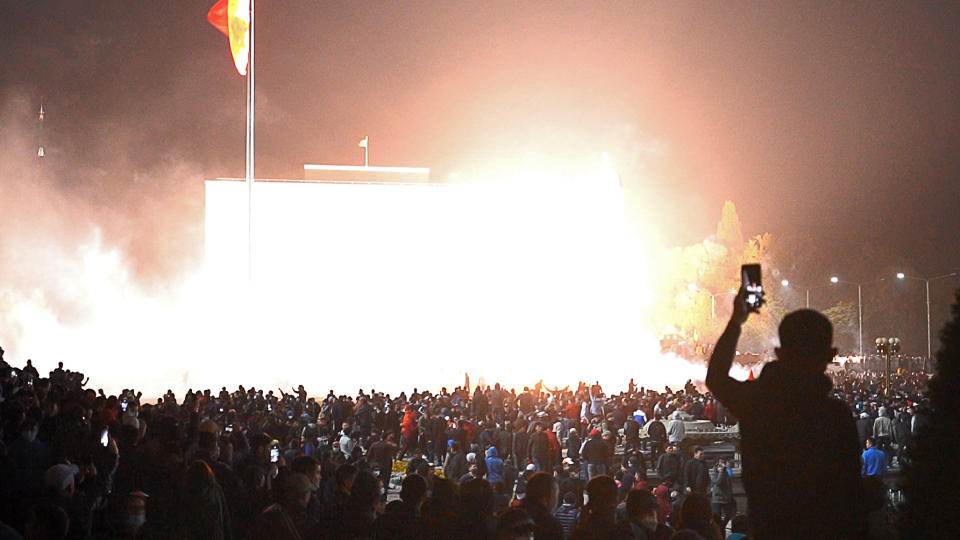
<point>250,152</point>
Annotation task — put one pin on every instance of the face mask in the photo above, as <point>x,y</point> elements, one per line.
<point>649,522</point>
<point>136,520</point>
<point>29,435</point>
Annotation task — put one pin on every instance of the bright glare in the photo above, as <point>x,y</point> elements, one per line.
<point>900,275</point>
<point>402,286</point>
<point>834,279</point>
<point>785,283</point>
<point>377,286</point>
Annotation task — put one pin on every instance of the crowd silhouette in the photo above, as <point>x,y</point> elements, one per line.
<point>486,463</point>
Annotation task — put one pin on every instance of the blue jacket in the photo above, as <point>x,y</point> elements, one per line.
<point>874,462</point>
<point>494,466</point>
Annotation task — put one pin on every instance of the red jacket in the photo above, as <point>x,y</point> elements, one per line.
<point>408,427</point>
<point>554,445</point>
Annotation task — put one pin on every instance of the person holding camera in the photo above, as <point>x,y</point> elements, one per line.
<point>721,492</point>
<point>801,460</point>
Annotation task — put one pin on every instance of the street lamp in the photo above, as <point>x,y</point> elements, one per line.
<point>835,280</point>
<point>926,281</point>
<point>786,283</point>
<point>692,287</point>
<point>713,301</point>
<point>886,347</point>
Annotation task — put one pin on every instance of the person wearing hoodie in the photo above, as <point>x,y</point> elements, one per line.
<point>800,483</point>
<point>883,432</point>
<point>676,431</point>
<point>494,466</point>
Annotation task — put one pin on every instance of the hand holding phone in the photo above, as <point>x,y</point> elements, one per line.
<point>274,454</point>
<point>752,286</point>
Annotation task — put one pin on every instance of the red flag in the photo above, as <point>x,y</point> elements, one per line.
<point>217,16</point>
<point>232,18</point>
<point>750,378</point>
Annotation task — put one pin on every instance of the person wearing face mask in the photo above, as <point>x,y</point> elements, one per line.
<point>130,518</point>
<point>31,458</point>
<point>641,509</point>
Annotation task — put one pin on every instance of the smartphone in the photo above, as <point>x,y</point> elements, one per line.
<point>104,437</point>
<point>229,428</point>
<point>274,454</point>
<point>750,280</point>
<point>123,405</point>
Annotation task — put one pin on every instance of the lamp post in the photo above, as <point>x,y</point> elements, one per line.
<point>835,280</point>
<point>886,347</point>
<point>692,287</point>
<point>926,282</point>
<point>788,283</point>
<point>713,301</point>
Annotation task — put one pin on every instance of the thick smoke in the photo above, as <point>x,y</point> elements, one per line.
<point>101,263</point>
<point>86,251</point>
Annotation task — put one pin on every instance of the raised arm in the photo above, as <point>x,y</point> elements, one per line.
<point>719,381</point>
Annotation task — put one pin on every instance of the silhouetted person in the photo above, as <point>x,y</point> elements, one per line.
<point>540,502</point>
<point>801,459</point>
<point>400,518</point>
<point>598,517</point>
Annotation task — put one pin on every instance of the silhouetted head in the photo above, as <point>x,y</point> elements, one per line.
<point>476,496</point>
<point>696,514</point>
<point>806,339</point>
<point>602,492</point>
<point>542,488</point>
<point>413,489</point>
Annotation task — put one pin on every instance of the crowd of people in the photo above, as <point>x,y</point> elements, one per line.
<point>487,463</point>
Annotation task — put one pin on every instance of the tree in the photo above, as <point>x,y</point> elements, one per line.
<point>729,229</point>
<point>843,315</point>
<point>932,477</point>
<point>760,332</point>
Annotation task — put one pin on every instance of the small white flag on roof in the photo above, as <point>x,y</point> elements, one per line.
<point>363,142</point>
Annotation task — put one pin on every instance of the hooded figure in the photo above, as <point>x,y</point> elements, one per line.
<point>676,431</point>
<point>883,425</point>
<point>494,466</point>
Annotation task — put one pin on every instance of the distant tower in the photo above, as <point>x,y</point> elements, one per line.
<point>41,139</point>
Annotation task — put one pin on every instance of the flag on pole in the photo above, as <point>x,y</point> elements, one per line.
<point>363,142</point>
<point>232,18</point>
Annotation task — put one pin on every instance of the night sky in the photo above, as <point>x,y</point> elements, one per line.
<point>835,124</point>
